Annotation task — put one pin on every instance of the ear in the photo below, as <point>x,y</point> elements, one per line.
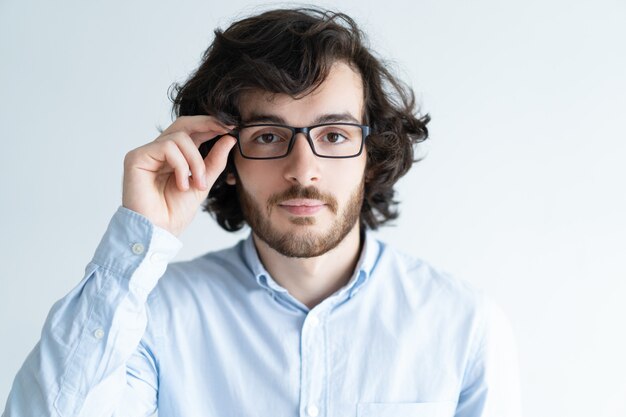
<point>368,176</point>
<point>230,179</point>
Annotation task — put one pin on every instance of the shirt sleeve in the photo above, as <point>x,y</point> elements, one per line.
<point>491,386</point>
<point>91,359</point>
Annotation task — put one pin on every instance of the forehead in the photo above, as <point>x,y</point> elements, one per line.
<point>340,93</point>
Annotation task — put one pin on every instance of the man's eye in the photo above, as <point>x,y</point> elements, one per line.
<point>334,137</point>
<point>266,138</point>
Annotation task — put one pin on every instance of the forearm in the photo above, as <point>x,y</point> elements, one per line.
<point>92,332</point>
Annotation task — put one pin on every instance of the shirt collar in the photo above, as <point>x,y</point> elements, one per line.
<point>365,265</point>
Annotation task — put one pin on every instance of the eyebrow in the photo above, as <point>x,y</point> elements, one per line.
<point>325,118</point>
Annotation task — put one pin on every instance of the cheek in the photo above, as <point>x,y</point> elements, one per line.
<point>347,178</point>
<point>254,177</point>
<point>243,169</point>
<point>355,168</point>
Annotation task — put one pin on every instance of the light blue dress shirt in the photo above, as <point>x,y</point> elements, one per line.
<point>217,336</point>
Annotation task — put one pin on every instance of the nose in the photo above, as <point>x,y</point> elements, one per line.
<point>302,165</point>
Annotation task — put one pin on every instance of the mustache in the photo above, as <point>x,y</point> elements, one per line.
<point>296,191</point>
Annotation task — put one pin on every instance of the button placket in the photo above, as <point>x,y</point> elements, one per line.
<point>313,366</point>
<point>312,410</point>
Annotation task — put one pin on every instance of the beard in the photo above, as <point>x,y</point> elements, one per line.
<point>306,243</point>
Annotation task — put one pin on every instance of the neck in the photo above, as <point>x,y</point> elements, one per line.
<point>312,280</point>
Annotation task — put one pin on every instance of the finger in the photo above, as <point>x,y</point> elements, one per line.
<point>176,160</point>
<point>196,165</point>
<point>200,137</point>
<point>215,162</point>
<point>200,123</point>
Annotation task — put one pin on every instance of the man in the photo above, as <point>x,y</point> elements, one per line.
<point>305,133</point>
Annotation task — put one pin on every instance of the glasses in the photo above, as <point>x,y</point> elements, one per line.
<point>327,140</point>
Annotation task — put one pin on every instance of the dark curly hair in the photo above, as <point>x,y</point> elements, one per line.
<point>291,51</point>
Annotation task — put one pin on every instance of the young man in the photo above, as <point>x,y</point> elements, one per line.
<point>305,134</point>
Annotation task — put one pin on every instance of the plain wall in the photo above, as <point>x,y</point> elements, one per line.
<point>522,193</point>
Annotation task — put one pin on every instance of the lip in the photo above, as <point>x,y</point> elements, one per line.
<point>302,207</point>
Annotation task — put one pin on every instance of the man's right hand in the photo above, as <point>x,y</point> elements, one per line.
<point>156,175</point>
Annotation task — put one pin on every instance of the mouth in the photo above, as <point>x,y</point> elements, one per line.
<point>302,207</point>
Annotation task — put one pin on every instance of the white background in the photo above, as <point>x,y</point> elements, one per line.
<point>522,193</point>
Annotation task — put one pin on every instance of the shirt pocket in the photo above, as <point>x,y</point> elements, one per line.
<point>434,409</point>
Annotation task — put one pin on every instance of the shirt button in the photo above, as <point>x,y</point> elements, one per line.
<point>312,410</point>
<point>314,321</point>
<point>156,257</point>
<point>137,248</point>
<point>98,334</point>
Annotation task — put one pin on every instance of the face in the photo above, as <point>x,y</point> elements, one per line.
<point>303,205</point>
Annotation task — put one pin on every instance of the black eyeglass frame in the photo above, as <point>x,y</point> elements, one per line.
<point>365,132</point>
